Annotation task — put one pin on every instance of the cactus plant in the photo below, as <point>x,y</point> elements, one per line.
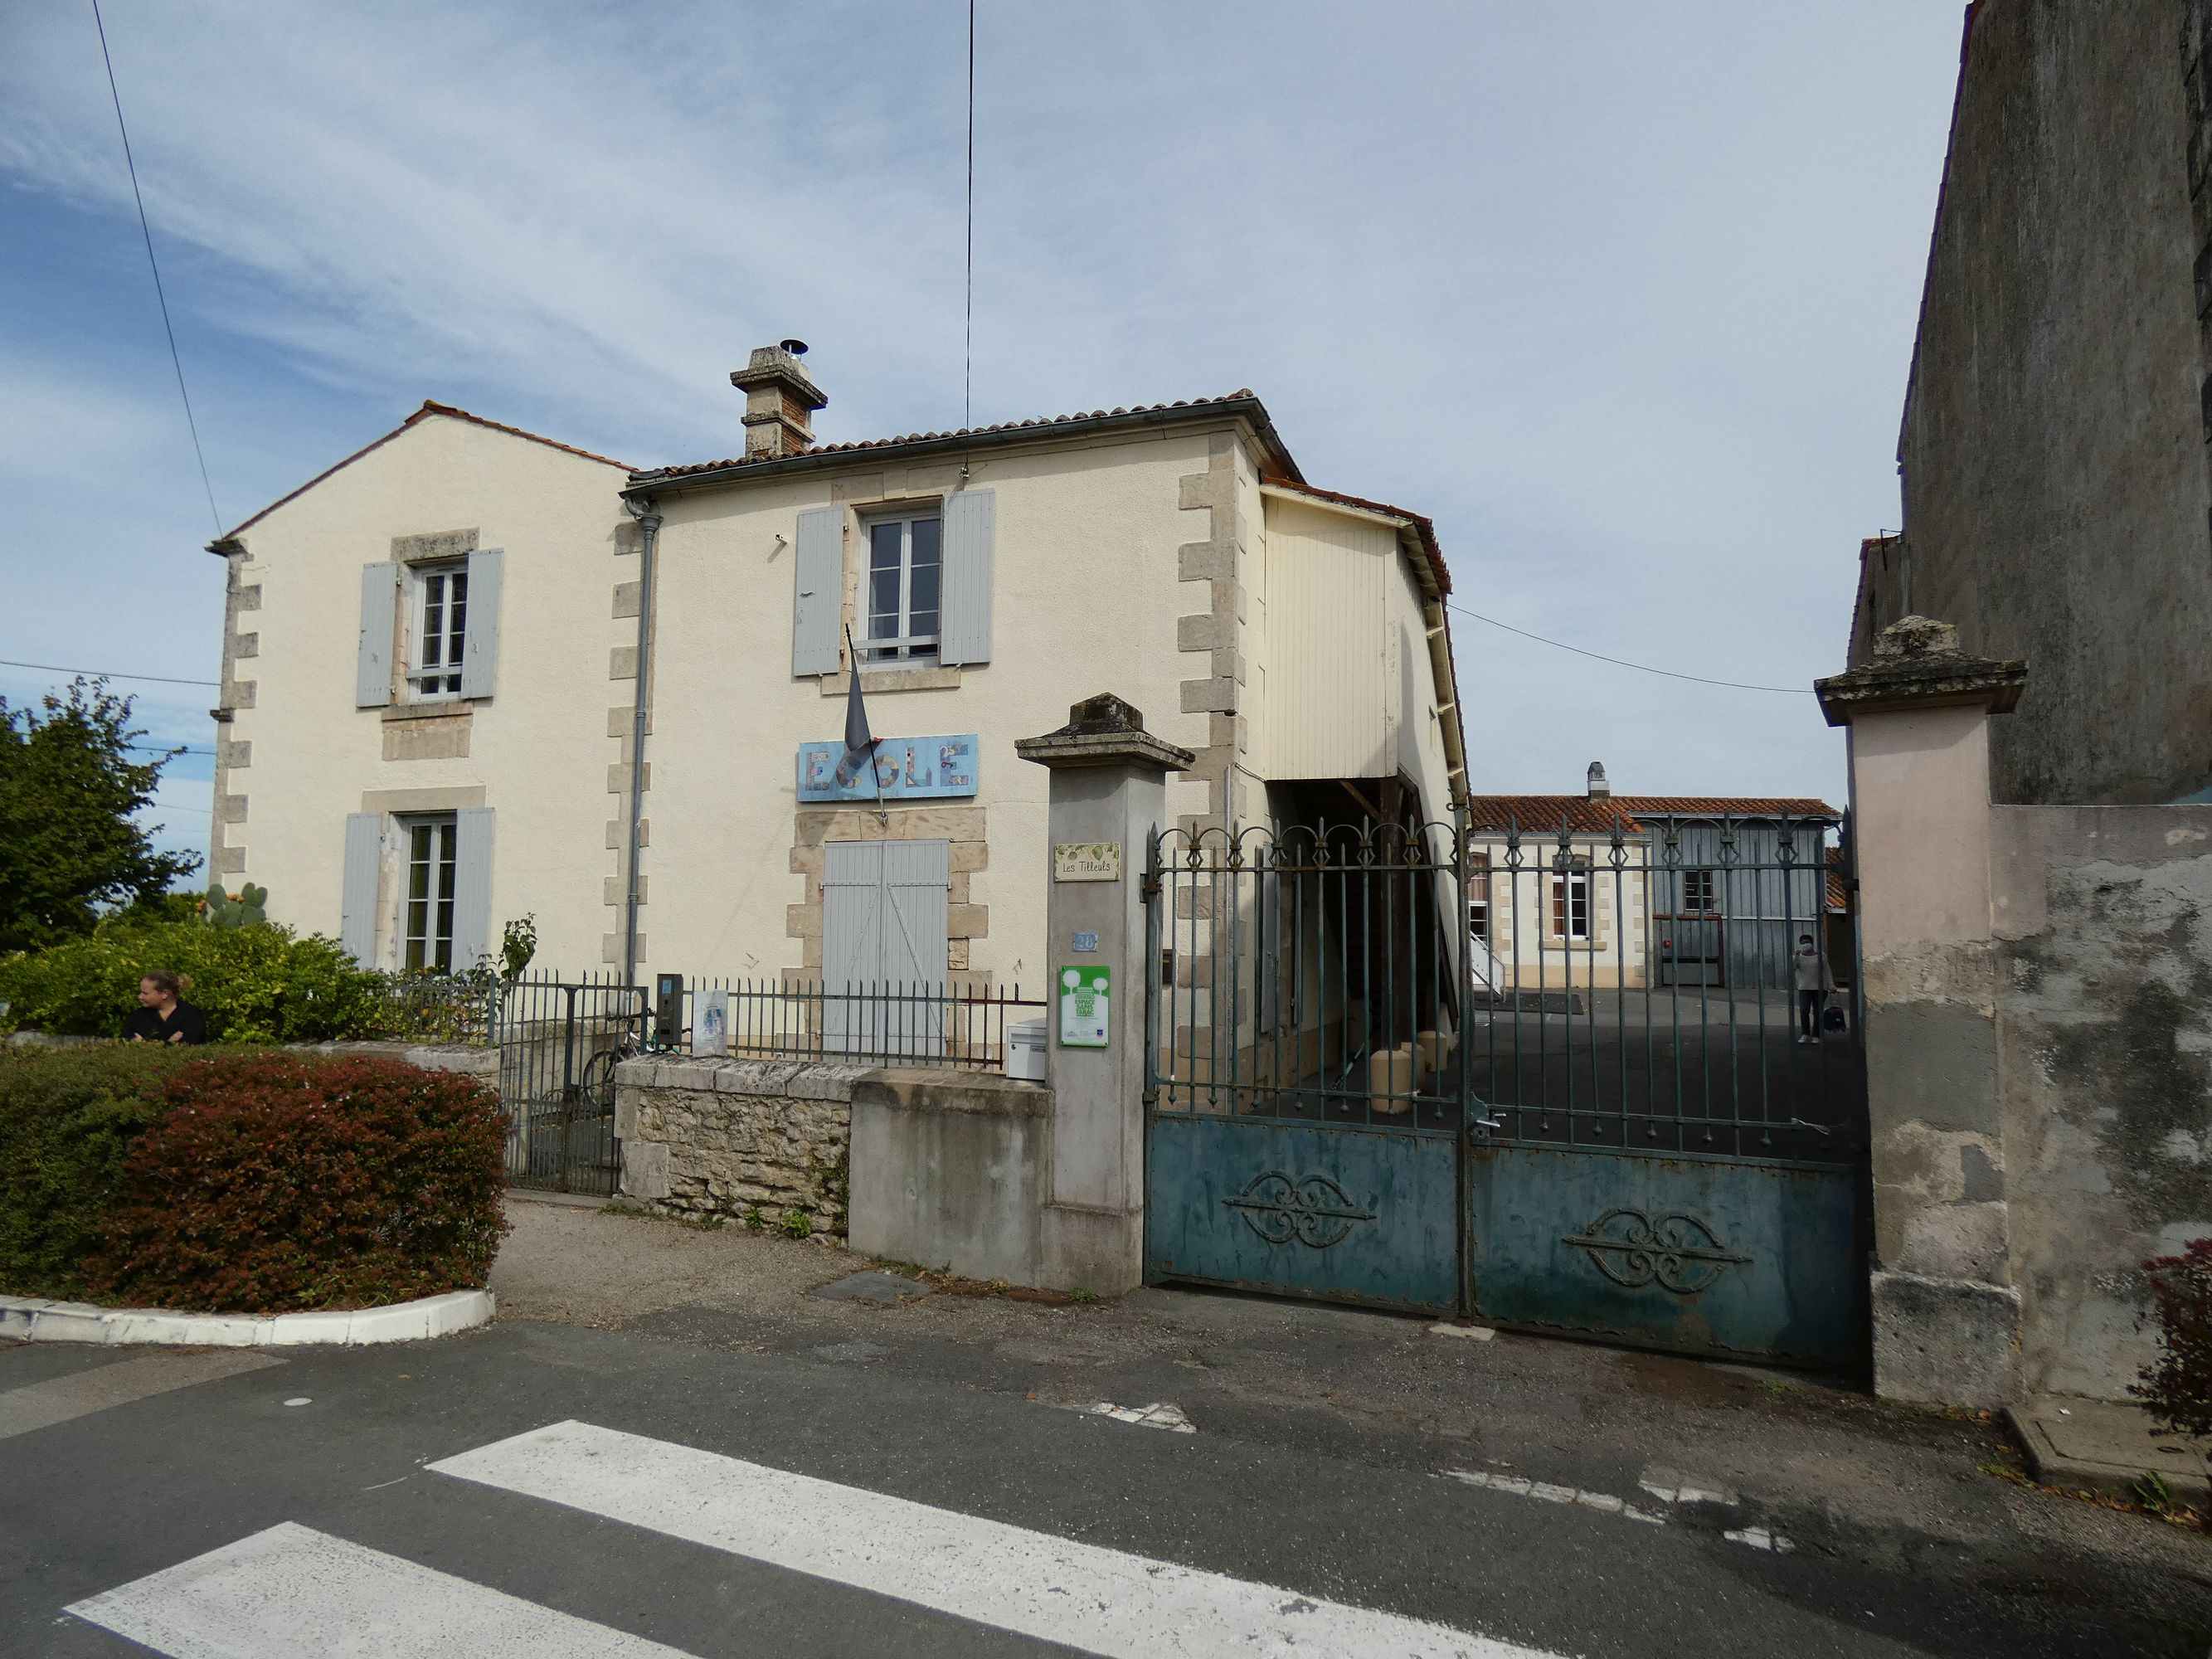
<point>244,908</point>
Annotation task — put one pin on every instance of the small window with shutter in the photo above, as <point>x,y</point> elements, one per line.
<point>440,635</point>
<point>901,594</point>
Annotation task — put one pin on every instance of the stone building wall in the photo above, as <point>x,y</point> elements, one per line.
<point>2104,1037</point>
<point>2053,450</point>
<point>758,1141</point>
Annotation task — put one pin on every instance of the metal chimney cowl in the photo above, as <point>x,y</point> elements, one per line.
<point>1599,789</point>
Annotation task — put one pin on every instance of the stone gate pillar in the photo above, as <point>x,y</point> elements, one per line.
<point>1945,1308</point>
<point>1107,797</point>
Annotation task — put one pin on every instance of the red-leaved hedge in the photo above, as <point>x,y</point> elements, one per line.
<point>272,1184</point>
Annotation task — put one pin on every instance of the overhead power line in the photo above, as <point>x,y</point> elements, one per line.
<point>968,378</point>
<point>1620,662</point>
<point>102,673</point>
<point>144,230</point>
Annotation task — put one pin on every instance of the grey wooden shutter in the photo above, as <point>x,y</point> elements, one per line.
<point>852,939</point>
<point>964,624</point>
<point>472,886</point>
<point>817,604</point>
<point>480,647</point>
<point>916,884</point>
<point>379,616</point>
<point>364,849</point>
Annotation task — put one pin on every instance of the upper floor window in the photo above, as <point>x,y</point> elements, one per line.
<point>905,563</point>
<point>441,627</point>
<point>1698,896</point>
<point>1478,896</point>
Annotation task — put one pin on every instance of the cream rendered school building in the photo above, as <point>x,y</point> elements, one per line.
<point>432,655</point>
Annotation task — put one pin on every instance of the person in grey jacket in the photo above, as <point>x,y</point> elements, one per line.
<point>1809,972</point>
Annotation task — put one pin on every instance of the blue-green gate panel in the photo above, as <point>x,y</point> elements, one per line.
<point>1701,1254</point>
<point>1352,1215</point>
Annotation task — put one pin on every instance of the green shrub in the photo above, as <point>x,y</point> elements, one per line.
<point>67,1118</point>
<point>256,984</point>
<point>273,1183</point>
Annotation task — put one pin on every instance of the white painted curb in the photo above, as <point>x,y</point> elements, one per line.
<point>28,1319</point>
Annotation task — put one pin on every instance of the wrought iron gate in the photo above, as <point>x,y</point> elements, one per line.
<point>558,1046</point>
<point>1352,1096</point>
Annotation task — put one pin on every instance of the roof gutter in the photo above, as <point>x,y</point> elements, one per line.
<point>1447,684</point>
<point>669,481</point>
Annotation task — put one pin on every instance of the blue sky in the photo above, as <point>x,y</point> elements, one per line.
<point>1623,296</point>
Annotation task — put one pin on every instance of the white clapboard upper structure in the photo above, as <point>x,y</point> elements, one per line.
<point>432,692</point>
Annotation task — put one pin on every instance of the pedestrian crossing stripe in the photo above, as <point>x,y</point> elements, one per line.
<point>1085,1596</point>
<point>292,1590</point>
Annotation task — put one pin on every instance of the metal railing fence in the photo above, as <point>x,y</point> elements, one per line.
<point>1617,988</point>
<point>432,1007</point>
<point>952,1024</point>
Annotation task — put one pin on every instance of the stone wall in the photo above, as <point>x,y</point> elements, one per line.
<point>2104,1030</point>
<point>477,1062</point>
<point>757,1140</point>
<point>2042,1108</point>
<point>2053,447</point>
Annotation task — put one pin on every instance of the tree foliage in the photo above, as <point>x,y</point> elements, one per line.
<point>256,984</point>
<point>69,848</point>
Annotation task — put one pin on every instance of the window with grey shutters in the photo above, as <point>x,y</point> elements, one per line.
<point>964,625</point>
<point>430,874</point>
<point>379,621</point>
<point>883,945</point>
<point>818,599</point>
<point>438,630</point>
<point>899,593</point>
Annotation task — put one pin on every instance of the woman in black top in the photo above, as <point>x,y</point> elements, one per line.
<point>162,1016</point>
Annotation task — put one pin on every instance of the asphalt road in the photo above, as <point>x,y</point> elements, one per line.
<point>672,1517</point>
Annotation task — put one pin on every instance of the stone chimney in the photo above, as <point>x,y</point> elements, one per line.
<point>779,401</point>
<point>1599,789</point>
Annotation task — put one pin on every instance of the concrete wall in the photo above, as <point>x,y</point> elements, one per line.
<point>747,1139</point>
<point>297,756</point>
<point>2053,454</point>
<point>2104,1028</point>
<point>952,1170</point>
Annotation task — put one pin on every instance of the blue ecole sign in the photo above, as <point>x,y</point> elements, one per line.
<point>908,769</point>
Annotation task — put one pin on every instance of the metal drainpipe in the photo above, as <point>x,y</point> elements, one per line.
<point>648,524</point>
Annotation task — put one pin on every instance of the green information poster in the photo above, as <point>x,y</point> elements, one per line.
<point>1083,1006</point>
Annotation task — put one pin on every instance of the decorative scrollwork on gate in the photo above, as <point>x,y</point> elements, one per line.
<point>1315,1211</point>
<point>1632,1249</point>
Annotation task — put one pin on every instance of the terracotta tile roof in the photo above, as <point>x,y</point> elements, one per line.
<point>430,408</point>
<point>1540,814</point>
<point>1736,806</point>
<point>1424,527</point>
<point>1036,426</point>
